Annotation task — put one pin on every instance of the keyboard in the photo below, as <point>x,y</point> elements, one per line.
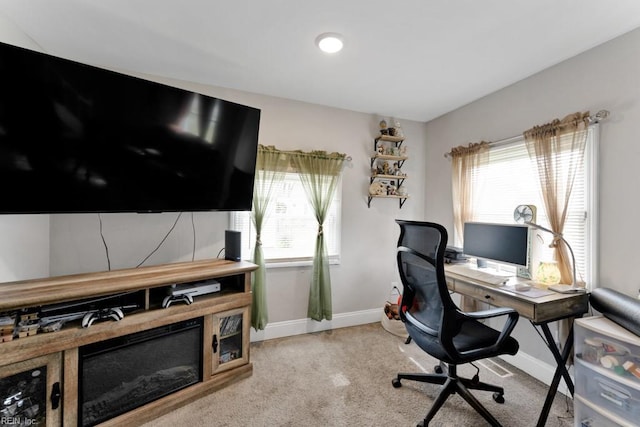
<point>483,276</point>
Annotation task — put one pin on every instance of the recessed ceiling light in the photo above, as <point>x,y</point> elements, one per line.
<point>330,42</point>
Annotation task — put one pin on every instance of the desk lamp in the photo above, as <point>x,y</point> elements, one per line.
<point>565,289</point>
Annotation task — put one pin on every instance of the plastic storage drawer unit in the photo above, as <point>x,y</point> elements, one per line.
<point>607,374</point>
<point>588,415</point>
<point>616,395</point>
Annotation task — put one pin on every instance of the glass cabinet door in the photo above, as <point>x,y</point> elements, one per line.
<point>30,392</point>
<point>230,339</point>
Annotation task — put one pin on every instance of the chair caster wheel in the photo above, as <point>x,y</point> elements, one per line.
<point>498,397</point>
<point>438,369</point>
<point>396,383</point>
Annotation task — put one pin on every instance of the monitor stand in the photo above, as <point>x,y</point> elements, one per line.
<point>481,263</point>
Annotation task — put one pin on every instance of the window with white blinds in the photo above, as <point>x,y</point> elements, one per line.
<point>290,228</point>
<point>510,179</point>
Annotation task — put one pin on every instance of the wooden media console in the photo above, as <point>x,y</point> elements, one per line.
<point>51,361</point>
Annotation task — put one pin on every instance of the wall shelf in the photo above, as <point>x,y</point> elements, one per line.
<point>387,179</point>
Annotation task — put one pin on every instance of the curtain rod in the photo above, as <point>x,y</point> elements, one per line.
<point>593,119</point>
<point>313,153</point>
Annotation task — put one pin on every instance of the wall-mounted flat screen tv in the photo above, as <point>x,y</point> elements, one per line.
<point>77,138</point>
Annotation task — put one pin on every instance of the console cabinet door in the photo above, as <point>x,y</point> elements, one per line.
<point>30,392</point>
<point>230,343</point>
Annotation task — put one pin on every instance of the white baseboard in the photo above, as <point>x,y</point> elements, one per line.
<point>305,326</point>
<point>534,367</point>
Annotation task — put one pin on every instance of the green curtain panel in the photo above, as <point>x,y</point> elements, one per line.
<point>320,173</point>
<point>271,165</point>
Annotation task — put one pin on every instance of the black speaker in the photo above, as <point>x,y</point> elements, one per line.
<point>232,250</point>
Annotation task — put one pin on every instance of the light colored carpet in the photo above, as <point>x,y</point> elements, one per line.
<point>343,378</point>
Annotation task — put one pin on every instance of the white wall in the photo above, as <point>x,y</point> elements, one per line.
<point>24,247</point>
<point>606,77</point>
<point>77,247</point>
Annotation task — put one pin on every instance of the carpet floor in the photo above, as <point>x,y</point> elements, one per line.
<point>343,378</point>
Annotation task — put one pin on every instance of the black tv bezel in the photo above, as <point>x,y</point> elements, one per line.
<point>245,203</point>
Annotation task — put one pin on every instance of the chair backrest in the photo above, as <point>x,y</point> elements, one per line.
<point>420,257</point>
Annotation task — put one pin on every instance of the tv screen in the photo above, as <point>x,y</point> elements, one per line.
<point>497,242</point>
<point>76,138</point>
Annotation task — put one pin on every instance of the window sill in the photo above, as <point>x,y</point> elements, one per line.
<point>297,262</point>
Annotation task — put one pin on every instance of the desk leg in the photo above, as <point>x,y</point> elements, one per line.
<point>561,369</point>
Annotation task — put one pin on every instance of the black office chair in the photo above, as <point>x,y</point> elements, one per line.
<point>438,326</point>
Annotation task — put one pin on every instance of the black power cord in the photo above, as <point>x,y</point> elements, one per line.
<point>106,248</point>
<point>193,253</point>
<point>162,241</point>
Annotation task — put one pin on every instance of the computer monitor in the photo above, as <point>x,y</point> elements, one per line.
<point>504,243</point>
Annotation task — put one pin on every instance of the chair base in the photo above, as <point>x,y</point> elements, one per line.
<point>452,385</point>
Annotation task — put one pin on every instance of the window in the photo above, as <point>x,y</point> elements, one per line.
<point>510,180</point>
<point>290,229</point>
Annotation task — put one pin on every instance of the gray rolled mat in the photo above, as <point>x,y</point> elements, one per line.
<point>617,307</point>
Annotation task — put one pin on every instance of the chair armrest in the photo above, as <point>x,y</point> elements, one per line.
<point>492,312</point>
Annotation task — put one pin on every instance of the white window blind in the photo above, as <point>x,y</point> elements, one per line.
<point>290,228</point>
<point>510,179</point>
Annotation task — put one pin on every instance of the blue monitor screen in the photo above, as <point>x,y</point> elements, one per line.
<point>504,243</point>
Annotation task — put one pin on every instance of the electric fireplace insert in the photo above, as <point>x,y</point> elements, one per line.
<point>124,373</point>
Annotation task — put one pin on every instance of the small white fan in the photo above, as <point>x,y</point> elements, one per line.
<point>524,213</point>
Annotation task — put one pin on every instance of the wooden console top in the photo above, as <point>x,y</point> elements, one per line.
<point>37,292</point>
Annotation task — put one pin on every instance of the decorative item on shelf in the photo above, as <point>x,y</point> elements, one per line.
<point>398,130</point>
<point>402,191</point>
<point>377,189</point>
<point>386,168</point>
<point>548,273</point>
<point>383,127</point>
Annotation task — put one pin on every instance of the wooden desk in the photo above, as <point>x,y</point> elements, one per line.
<point>539,311</point>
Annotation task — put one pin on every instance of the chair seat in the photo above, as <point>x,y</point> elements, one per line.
<point>472,336</point>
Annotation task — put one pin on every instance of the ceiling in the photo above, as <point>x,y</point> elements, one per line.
<point>410,59</point>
